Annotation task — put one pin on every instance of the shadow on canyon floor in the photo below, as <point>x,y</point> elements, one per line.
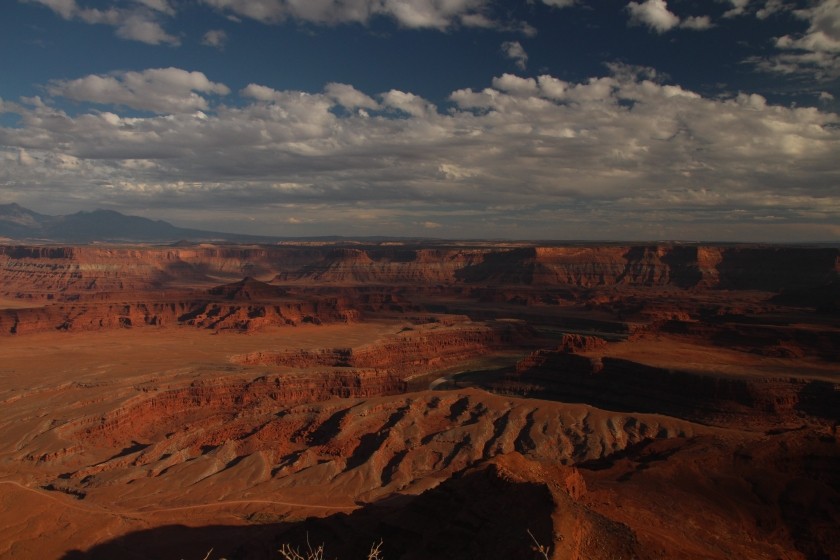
<point>481,514</point>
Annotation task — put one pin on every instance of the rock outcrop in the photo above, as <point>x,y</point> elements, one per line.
<point>361,448</point>
<point>242,306</point>
<point>468,474</point>
<point>619,384</point>
<point>38,271</point>
<point>413,351</point>
<point>684,405</point>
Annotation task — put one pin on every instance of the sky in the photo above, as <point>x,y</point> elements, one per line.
<point>695,120</point>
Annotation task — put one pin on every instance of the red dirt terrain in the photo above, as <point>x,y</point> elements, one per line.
<point>451,400</point>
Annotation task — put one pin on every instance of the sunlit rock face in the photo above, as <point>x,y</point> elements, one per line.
<point>652,401</point>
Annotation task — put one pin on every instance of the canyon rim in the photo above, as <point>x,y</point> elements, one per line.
<point>451,400</point>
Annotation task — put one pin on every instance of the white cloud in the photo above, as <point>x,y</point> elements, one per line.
<point>560,3</point>
<point>509,83</point>
<point>409,103</point>
<point>816,51</point>
<point>771,7</point>
<point>139,28</point>
<point>215,38</point>
<point>738,7</point>
<point>65,8</point>
<point>698,23</point>
<point>514,51</point>
<point>434,14</point>
<point>162,6</point>
<point>421,13</point>
<point>654,14</point>
<point>455,172</point>
<point>543,154</point>
<point>349,97</point>
<point>260,93</point>
<point>762,9</point>
<point>25,159</point>
<point>161,90</point>
<point>139,21</point>
<point>142,20</point>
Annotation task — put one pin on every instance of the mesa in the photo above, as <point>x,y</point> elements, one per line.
<point>676,400</point>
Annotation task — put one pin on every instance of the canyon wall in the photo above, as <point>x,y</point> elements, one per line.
<point>414,350</point>
<point>41,272</point>
<point>614,383</point>
<point>717,365</point>
<point>192,311</point>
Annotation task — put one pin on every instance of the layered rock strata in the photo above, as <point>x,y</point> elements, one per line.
<point>40,271</point>
<point>754,401</point>
<point>414,350</point>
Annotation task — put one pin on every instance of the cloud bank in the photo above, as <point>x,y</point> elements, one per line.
<point>614,156</point>
<point>159,90</point>
<point>415,14</point>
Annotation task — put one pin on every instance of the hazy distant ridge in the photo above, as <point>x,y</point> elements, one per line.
<point>20,223</point>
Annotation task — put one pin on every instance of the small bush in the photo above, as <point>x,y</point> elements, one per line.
<point>317,553</point>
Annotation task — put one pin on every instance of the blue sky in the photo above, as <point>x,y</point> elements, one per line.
<point>530,119</point>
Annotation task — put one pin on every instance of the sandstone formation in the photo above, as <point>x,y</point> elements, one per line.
<point>470,400</point>
<point>39,272</point>
<point>414,350</point>
<point>620,384</point>
<point>462,465</point>
<point>242,306</point>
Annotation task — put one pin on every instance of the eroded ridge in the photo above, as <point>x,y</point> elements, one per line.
<point>360,449</point>
<point>414,350</point>
<point>633,401</point>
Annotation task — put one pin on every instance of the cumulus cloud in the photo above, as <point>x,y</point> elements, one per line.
<point>137,27</point>
<point>349,97</point>
<point>551,158</point>
<point>259,92</point>
<point>771,7</point>
<point>406,102</point>
<point>160,90</point>
<point>560,3</point>
<point>510,83</point>
<point>698,23</point>
<point>216,38</point>
<point>738,8</point>
<point>142,20</point>
<point>814,52</point>
<point>514,51</point>
<point>817,50</point>
<point>762,9</point>
<point>138,21</point>
<point>416,14</point>
<point>655,15</point>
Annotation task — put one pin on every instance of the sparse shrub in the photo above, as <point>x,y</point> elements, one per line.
<point>289,553</point>
<point>543,551</point>
<point>317,553</point>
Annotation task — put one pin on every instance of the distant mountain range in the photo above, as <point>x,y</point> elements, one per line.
<point>107,226</point>
<point>19,223</point>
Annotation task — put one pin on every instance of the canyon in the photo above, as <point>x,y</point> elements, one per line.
<point>449,399</point>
